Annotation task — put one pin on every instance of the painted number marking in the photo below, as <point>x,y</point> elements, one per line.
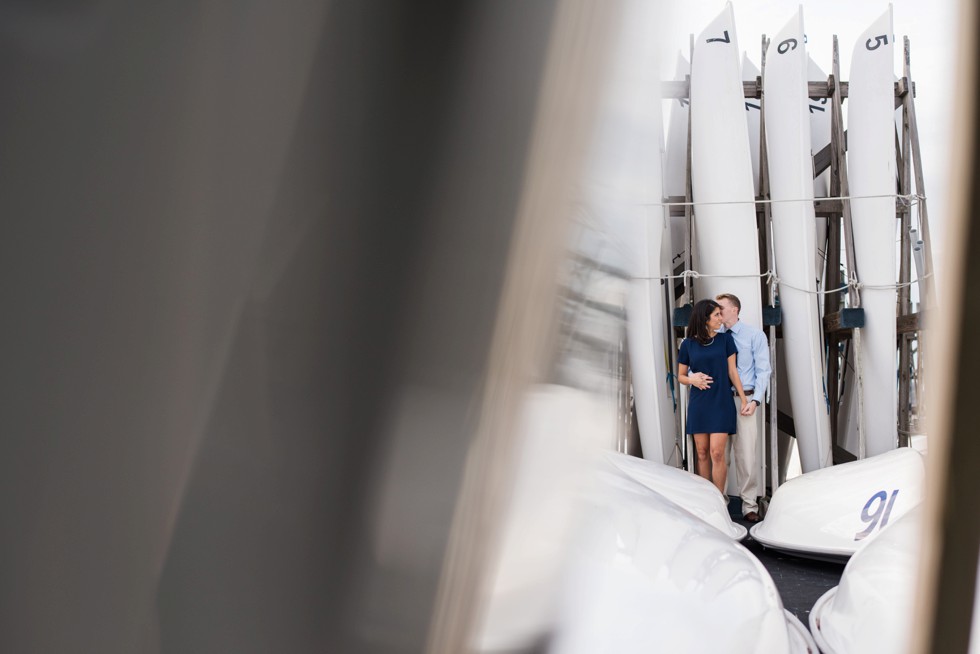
<point>877,517</point>
<point>787,45</point>
<point>724,39</point>
<point>878,42</point>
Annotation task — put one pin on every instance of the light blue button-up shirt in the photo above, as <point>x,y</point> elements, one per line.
<point>752,360</point>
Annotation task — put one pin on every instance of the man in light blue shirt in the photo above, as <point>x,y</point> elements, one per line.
<point>754,371</point>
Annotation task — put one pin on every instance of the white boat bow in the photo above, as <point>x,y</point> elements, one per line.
<point>648,576</point>
<point>692,493</point>
<point>830,513</point>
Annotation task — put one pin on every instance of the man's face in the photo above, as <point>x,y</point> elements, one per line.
<point>729,314</point>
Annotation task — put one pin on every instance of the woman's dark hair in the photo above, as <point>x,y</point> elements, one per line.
<point>697,327</point>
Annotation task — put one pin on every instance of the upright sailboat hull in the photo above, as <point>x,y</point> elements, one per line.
<point>725,219</point>
<point>871,174</point>
<point>819,139</point>
<point>753,119</point>
<point>791,189</point>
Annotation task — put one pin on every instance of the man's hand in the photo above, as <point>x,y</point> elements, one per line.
<point>748,409</point>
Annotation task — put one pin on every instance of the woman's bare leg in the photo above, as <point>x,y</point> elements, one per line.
<point>719,467</point>
<point>703,466</point>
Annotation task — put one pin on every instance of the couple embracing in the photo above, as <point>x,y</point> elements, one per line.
<point>724,359</point>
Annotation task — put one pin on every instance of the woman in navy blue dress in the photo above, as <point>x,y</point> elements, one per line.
<point>704,356</point>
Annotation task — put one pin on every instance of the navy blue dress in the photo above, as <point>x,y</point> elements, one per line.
<point>711,411</point>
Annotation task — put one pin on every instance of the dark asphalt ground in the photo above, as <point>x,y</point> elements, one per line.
<point>800,581</point>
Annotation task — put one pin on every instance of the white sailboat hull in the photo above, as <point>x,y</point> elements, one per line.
<point>791,188</point>
<point>694,494</point>
<point>652,397</point>
<point>873,607</point>
<point>830,513</point>
<point>725,218</point>
<point>819,139</point>
<point>753,119</point>
<point>871,172</point>
<point>646,573</point>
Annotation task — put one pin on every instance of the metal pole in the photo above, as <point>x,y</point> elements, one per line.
<point>853,295</point>
<point>904,154</point>
<point>771,266</point>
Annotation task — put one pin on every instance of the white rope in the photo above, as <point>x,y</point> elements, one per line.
<point>912,198</point>
<point>841,289</point>
<point>773,278</point>
<point>888,287</point>
<point>694,274</point>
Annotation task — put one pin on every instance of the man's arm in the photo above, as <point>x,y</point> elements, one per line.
<point>763,369</point>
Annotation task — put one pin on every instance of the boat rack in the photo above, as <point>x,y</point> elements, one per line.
<point>843,320</point>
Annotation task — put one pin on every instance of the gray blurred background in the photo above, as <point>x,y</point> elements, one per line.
<point>252,259</point>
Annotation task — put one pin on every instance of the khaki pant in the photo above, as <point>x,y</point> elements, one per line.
<point>744,452</point>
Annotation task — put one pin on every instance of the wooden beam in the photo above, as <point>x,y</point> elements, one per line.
<point>911,323</point>
<point>822,206</point>
<point>832,207</point>
<point>927,288</point>
<point>826,207</point>
<point>822,159</point>
<point>681,89</point>
<point>901,86</point>
<point>832,301</point>
<point>820,90</point>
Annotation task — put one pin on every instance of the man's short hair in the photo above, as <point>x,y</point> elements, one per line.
<point>731,298</point>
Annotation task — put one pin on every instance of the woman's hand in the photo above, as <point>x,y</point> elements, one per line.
<point>700,380</point>
<point>748,408</point>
